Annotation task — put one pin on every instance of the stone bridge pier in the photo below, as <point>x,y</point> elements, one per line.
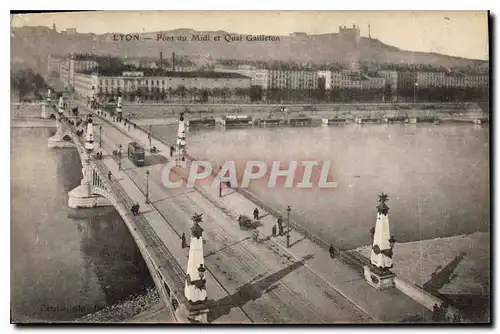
<point>62,137</point>
<point>88,194</point>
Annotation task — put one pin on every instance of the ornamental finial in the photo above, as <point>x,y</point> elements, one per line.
<point>382,198</point>
<point>197,230</point>
<point>382,207</point>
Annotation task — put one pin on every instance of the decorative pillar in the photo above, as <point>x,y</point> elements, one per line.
<point>181,139</point>
<point>119,109</point>
<point>89,136</point>
<point>93,101</point>
<point>49,96</point>
<point>195,289</point>
<point>61,106</point>
<point>378,273</point>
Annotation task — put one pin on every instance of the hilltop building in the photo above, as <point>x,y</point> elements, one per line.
<point>350,35</point>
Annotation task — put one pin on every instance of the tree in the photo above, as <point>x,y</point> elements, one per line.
<point>181,91</point>
<point>255,93</point>
<point>226,92</point>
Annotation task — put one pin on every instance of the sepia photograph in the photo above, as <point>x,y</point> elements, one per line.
<point>250,167</point>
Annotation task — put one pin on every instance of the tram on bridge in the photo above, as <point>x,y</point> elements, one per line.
<point>136,153</point>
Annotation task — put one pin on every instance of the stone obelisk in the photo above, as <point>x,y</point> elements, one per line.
<point>378,273</point>
<point>195,289</point>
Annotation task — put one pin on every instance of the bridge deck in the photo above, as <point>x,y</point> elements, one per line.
<point>264,281</point>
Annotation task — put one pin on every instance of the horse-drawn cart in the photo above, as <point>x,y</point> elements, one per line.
<point>246,223</point>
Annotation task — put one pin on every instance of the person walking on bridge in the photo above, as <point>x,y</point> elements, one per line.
<point>109,175</point>
<point>183,241</point>
<point>172,149</point>
<point>256,214</point>
<point>274,230</point>
<point>280,225</point>
<point>332,251</point>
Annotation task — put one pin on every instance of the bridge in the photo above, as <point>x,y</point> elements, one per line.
<point>247,281</point>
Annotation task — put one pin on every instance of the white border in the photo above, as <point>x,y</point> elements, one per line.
<point>200,5</point>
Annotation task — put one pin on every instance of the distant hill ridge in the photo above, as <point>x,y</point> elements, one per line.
<point>30,46</point>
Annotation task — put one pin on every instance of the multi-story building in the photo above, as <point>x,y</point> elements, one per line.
<point>441,79</point>
<point>70,31</point>
<point>293,80</point>
<point>258,77</point>
<point>391,79</point>
<point>54,64</point>
<point>327,76</point>
<point>168,82</point>
<point>349,35</point>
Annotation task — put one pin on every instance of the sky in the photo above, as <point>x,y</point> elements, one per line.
<point>455,33</point>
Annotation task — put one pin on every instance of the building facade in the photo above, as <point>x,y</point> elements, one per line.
<point>407,80</point>
<point>293,80</point>
<point>349,35</point>
<point>137,83</point>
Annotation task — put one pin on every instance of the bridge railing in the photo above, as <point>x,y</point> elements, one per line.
<point>170,268</point>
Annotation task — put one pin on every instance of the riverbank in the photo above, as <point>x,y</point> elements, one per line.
<point>372,110</point>
<point>457,269</point>
<point>139,308</point>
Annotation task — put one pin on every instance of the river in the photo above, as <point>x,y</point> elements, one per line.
<point>437,177</point>
<point>65,263</point>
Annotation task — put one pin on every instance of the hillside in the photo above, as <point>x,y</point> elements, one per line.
<point>30,46</point>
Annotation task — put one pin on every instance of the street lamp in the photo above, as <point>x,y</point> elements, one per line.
<point>120,157</point>
<point>150,134</point>
<point>147,187</point>
<point>220,185</point>
<point>100,142</point>
<point>415,93</point>
<point>288,209</point>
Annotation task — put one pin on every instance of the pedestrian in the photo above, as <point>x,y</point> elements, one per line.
<point>172,149</point>
<point>256,214</point>
<point>332,251</point>
<point>280,225</point>
<point>183,241</point>
<point>435,312</point>
<point>132,209</point>
<point>274,230</point>
<point>255,235</point>
<point>137,206</point>
<point>149,139</point>
<point>109,175</point>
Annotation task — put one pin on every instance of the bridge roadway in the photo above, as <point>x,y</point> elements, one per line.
<point>248,281</point>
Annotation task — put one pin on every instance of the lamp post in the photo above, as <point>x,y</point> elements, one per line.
<point>120,157</point>
<point>220,185</point>
<point>415,94</point>
<point>150,134</point>
<point>100,140</point>
<point>288,209</point>
<point>147,187</point>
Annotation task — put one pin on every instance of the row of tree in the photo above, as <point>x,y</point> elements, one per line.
<point>257,94</point>
<point>29,84</point>
<point>181,93</point>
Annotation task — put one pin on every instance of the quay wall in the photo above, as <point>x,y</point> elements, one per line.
<point>325,110</point>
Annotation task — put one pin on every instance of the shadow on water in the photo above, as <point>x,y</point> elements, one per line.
<point>251,291</point>
<point>110,253</point>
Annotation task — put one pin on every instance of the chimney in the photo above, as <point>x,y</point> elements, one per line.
<point>369,32</point>
<point>173,61</point>
<point>161,60</point>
